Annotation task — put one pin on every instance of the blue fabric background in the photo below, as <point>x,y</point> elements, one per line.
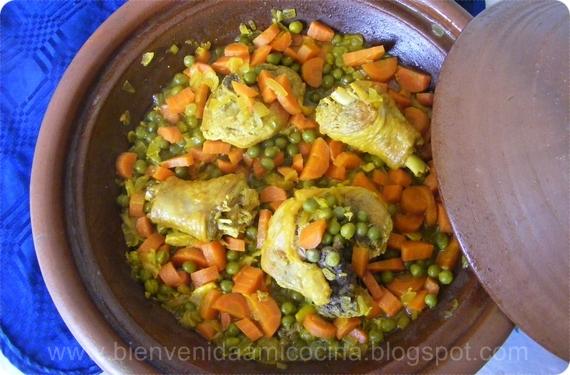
<point>38,41</point>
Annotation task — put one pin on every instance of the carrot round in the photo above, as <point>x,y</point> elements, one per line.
<point>319,31</point>
<point>136,205</point>
<point>249,329</point>
<point>348,159</point>
<point>431,207</point>
<point>170,276</point>
<point>248,280</point>
<point>233,304</point>
<point>399,177</point>
<point>412,80</point>
<point>125,164</point>
<point>312,235</point>
<point>416,250</point>
<point>363,56</point>
<point>272,194</point>
<point>190,254</point>
<point>318,161</point>
<point>360,260</point>
<point>418,118</point>
<point>407,223</point>
<point>152,242</point>
<point>319,327</point>
<point>144,226</point>
<point>207,312</point>
<point>215,254</point>
<point>380,177</point>
<point>259,56</point>
<point>425,98</point>
<point>400,99</point>
<point>312,71</point>
<point>282,41</point>
<point>345,325</point>
<point>262,226</point>
<point>267,35</point>
<point>381,70</point>
<point>204,276</point>
<point>413,200</point>
<point>394,264</point>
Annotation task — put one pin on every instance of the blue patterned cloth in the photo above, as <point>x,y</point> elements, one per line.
<point>38,41</point>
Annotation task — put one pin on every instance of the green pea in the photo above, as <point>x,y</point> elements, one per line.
<point>281,142</point>
<point>267,163</point>
<point>327,239</point>
<point>123,200</point>
<point>232,268</point>
<point>403,321</point>
<point>417,270</point>
<point>358,75</point>
<point>376,336</point>
<point>232,255</point>
<point>309,136</point>
<point>180,79</point>
<point>162,256</point>
<point>339,51</point>
<point>295,137</point>
<point>271,152</point>
<point>338,62</point>
<point>329,58</point>
<point>231,341</point>
<point>315,97</point>
<point>189,267</point>
<point>296,296</point>
<point>189,60</point>
<point>386,277</point>
<point>307,184</point>
<point>374,234</point>
<point>362,216</point>
<point>334,227</point>
<point>361,229</point>
<point>388,325</point>
<point>232,330</point>
<point>313,255</point>
<point>348,70</point>
<point>310,205</point>
<point>197,140</point>
<point>331,200</point>
<point>174,90</point>
<point>288,321</point>
<point>250,77</point>
<point>347,230</point>
<point>306,336</point>
<point>292,149</point>
<point>253,151</point>
<point>287,60</point>
<point>324,213</point>
<point>296,67</point>
<point>441,240</point>
<point>296,27</point>
<point>346,79</point>
<point>445,277</point>
<point>192,121</point>
<point>251,233</point>
<point>151,286</point>
<point>433,271</point>
<point>332,259</point>
<point>288,308</point>
<point>226,286</point>
<point>268,143</point>
<point>274,58</point>
<point>339,212</point>
<point>328,81</point>
<point>431,300</point>
<point>337,73</point>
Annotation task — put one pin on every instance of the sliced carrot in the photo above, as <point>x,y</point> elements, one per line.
<point>170,133</point>
<point>360,179</point>
<point>197,154</point>
<point>136,205</point>
<point>401,101</point>
<point>203,55</point>
<point>215,254</point>
<point>312,71</point>
<point>201,99</point>
<point>348,159</point>
<point>265,310</point>
<point>249,329</point>
<point>319,327</point>
<point>289,102</point>
<point>431,286</point>
<point>226,166</point>
<point>425,98</point>
<point>400,177</point>
<point>360,259</point>
<point>336,148</point>
<point>418,303</point>
<point>235,244</point>
<point>407,223</point>
<point>125,164</point>
<point>298,163</point>
<point>431,207</point>
<point>267,94</point>
<point>318,161</point>
<point>244,90</point>
<point>282,41</point>
<point>390,304</point>
<point>177,103</point>
<point>412,80</point>
<point>418,118</point>
<point>259,56</point>
<point>262,226</point>
<point>431,181</point>
<point>267,35</point>
<point>413,200</point>
<point>337,173</point>
<point>380,177</point>
<point>312,234</point>
<point>319,31</point>
<point>216,147</point>
<point>416,250</point>
<point>208,329</point>
<point>248,280</point>
<point>307,51</point>
<point>443,220</point>
<point>374,312</point>
<point>289,173</point>
<point>376,291</point>
<point>305,148</point>
<point>363,56</point>
<point>220,66</point>
<point>404,283</point>
<point>233,304</point>
<point>225,320</point>
<point>393,264</point>
<point>160,173</point>
<point>236,50</point>
<point>152,242</point>
<point>396,240</point>
<point>345,325</point>
<point>204,276</point>
<point>301,122</point>
<point>178,161</point>
<point>272,194</point>
<point>448,257</point>
<point>207,311</point>
<point>381,70</point>
<point>291,53</point>
<point>144,226</point>
<point>168,114</point>
<point>190,254</point>
<point>170,276</point>
<point>258,170</point>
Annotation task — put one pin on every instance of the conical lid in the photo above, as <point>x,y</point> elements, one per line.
<point>501,151</point>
